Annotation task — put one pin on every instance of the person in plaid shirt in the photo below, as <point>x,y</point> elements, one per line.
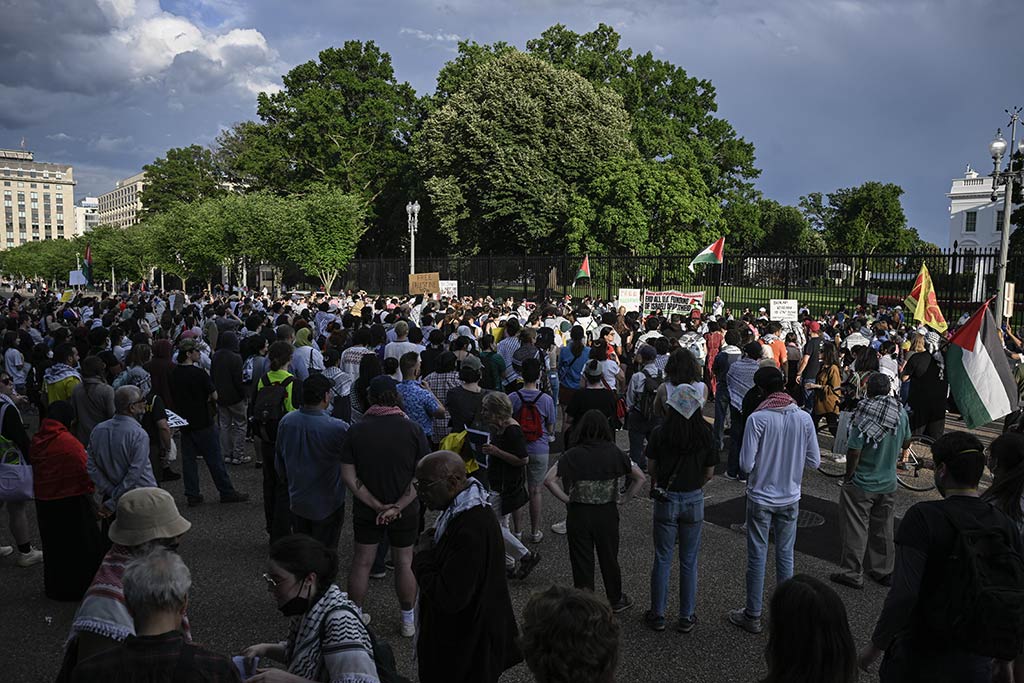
<point>444,377</point>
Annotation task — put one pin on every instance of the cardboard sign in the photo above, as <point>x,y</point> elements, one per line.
<point>67,295</point>
<point>448,289</point>
<point>782,310</point>
<point>630,299</point>
<point>671,301</point>
<point>424,283</point>
<point>872,299</point>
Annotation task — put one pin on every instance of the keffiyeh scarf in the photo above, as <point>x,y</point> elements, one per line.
<point>470,497</point>
<point>103,610</point>
<point>59,371</point>
<point>780,399</point>
<point>375,411</point>
<point>330,642</point>
<point>877,417</point>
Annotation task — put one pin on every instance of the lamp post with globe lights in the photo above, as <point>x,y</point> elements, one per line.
<point>412,209</point>
<point>997,148</point>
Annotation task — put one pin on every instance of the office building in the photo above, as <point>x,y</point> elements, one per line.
<point>87,215</point>
<point>122,206</point>
<point>35,195</point>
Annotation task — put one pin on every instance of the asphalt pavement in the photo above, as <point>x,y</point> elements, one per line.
<point>230,608</point>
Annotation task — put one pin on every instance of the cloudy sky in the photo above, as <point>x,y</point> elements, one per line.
<point>831,92</point>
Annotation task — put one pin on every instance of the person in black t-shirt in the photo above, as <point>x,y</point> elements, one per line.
<point>594,396</point>
<point>917,646</point>
<point>681,459</point>
<point>810,362</point>
<point>193,393</point>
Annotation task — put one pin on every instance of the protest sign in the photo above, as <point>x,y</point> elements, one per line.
<point>781,310</point>
<point>872,299</point>
<point>671,301</point>
<point>630,299</point>
<point>67,296</point>
<point>424,283</point>
<point>76,277</point>
<point>448,289</point>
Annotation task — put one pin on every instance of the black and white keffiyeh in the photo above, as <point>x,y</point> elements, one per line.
<point>876,417</point>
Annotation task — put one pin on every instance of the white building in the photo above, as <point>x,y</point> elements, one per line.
<point>87,215</point>
<point>34,194</point>
<point>121,206</point>
<point>975,221</point>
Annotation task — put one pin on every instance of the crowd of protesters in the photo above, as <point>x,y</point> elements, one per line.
<point>435,423</point>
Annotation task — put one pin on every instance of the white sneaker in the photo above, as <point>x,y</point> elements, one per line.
<point>537,536</point>
<point>840,460</point>
<point>6,550</point>
<point>559,528</point>
<point>365,616</point>
<point>30,558</point>
<point>408,629</point>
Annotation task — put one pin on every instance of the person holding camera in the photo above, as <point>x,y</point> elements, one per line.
<point>681,460</point>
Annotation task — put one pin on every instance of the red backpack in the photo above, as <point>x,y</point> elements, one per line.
<point>529,418</point>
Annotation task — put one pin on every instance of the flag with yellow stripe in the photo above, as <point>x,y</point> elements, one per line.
<point>922,304</point>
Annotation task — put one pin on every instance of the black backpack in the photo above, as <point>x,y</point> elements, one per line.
<point>982,608</point>
<point>645,406</point>
<point>268,408</point>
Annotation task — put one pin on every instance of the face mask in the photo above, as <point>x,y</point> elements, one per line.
<point>296,606</point>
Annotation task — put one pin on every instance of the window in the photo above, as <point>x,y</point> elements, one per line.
<point>971,224</point>
<point>58,175</point>
<point>34,195</point>
<point>999,221</point>
<point>32,185</point>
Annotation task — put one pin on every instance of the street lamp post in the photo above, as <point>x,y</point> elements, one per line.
<point>412,210</point>
<point>997,148</point>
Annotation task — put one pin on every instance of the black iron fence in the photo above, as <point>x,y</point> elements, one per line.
<point>962,279</point>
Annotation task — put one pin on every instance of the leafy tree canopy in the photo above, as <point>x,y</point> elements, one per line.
<point>868,219</point>
<point>185,174</point>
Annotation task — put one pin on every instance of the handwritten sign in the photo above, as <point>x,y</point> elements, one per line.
<point>424,283</point>
<point>872,299</point>
<point>671,301</point>
<point>448,289</point>
<point>781,310</point>
<point>630,299</point>
<point>67,295</point>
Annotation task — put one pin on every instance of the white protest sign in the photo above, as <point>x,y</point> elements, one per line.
<point>781,310</point>
<point>449,289</point>
<point>872,299</point>
<point>671,301</point>
<point>75,277</point>
<point>629,299</point>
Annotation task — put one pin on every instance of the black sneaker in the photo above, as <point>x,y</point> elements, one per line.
<point>234,497</point>
<point>653,621</point>
<point>844,580</point>
<point>193,501</point>
<point>169,475</point>
<point>883,580</point>
<point>623,604</point>
<point>527,564</point>
<point>686,625</point>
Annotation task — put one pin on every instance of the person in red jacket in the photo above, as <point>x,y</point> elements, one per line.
<point>65,509</point>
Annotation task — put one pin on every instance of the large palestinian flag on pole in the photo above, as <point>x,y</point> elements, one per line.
<point>979,374</point>
<point>712,254</point>
<point>87,265</point>
<point>584,271</point>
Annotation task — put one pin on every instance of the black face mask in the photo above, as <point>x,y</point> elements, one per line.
<point>297,605</point>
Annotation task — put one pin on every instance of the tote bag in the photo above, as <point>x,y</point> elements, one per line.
<point>15,472</point>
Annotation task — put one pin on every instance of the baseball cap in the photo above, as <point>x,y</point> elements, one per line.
<point>814,326</point>
<point>593,368</point>
<point>146,514</point>
<point>648,352</point>
<point>472,362</point>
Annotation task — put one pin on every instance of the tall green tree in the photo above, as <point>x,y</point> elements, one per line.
<point>867,219</point>
<point>503,158</point>
<point>185,174</point>
<point>323,233</point>
<point>191,241</point>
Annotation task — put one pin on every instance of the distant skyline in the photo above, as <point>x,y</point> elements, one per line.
<point>832,93</point>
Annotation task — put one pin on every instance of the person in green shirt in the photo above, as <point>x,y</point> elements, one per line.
<point>275,489</point>
<point>879,431</point>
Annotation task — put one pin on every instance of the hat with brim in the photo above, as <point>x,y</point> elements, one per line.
<point>146,514</point>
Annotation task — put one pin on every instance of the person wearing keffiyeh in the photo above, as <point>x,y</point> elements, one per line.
<point>879,431</point>
<point>460,569</point>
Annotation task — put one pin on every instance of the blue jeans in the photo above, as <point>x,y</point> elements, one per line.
<point>203,442</point>
<point>759,519</point>
<point>682,514</point>
<point>721,410</point>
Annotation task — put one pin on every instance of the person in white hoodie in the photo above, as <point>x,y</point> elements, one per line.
<point>778,442</point>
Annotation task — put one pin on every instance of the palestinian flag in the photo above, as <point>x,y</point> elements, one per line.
<point>922,304</point>
<point>584,271</point>
<point>979,374</point>
<point>87,265</point>
<point>712,254</point>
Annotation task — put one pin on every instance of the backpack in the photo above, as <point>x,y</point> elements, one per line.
<point>490,378</point>
<point>645,406</point>
<point>983,610</point>
<point>529,418</point>
<point>268,408</point>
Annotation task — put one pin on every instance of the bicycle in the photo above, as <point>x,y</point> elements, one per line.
<point>916,471</point>
<point>832,464</point>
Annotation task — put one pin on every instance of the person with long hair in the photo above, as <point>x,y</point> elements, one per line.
<point>327,640</point>
<point>369,367</point>
<point>1006,455</point>
<point>809,639</point>
<point>681,460</point>
<point>571,360</point>
<point>827,388</point>
<point>586,479</point>
<point>925,368</point>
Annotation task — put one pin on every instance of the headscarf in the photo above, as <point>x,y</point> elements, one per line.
<point>686,399</point>
<point>302,337</point>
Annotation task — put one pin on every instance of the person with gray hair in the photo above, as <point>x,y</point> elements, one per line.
<point>879,432</point>
<point>119,451</point>
<point>156,587</point>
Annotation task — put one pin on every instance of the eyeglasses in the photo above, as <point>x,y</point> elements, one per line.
<point>271,581</point>
<point>422,486</point>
